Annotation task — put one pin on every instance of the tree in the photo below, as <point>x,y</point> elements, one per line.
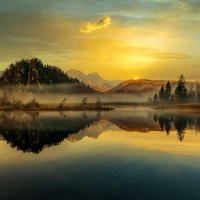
<point>180,124</point>
<point>5,99</point>
<point>198,91</point>
<point>168,91</point>
<point>167,125</point>
<point>181,90</point>
<point>155,98</point>
<point>162,93</point>
<point>98,103</point>
<point>62,103</point>
<point>172,98</point>
<point>84,101</point>
<point>161,121</point>
<point>155,117</point>
<point>192,94</point>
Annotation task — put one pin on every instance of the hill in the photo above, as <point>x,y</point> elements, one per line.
<point>141,87</point>
<point>33,76</point>
<point>94,80</point>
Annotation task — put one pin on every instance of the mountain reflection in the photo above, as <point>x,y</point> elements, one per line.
<point>30,133</point>
<point>34,131</point>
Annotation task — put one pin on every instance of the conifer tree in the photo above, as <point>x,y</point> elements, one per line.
<point>192,94</point>
<point>162,93</point>
<point>172,98</point>
<point>168,91</point>
<point>181,90</point>
<point>155,98</point>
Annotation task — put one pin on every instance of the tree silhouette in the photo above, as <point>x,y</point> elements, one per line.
<point>192,94</point>
<point>164,122</point>
<point>155,117</point>
<point>172,98</point>
<point>162,93</point>
<point>33,134</point>
<point>168,91</point>
<point>167,125</point>
<point>181,90</point>
<point>180,124</point>
<point>156,99</point>
<point>161,122</point>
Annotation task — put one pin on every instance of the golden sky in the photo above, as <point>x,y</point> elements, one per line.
<point>155,39</point>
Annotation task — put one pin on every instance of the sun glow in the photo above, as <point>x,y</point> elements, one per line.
<point>136,78</point>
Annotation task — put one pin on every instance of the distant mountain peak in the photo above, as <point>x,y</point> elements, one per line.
<point>93,79</point>
<point>73,70</point>
<point>94,75</point>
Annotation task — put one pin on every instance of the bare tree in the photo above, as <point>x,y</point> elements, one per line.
<point>84,101</point>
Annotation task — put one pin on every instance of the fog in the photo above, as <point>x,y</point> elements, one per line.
<point>47,94</point>
<point>91,98</point>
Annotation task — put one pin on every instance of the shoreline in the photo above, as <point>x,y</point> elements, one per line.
<point>194,108</point>
<point>184,108</point>
<point>58,109</point>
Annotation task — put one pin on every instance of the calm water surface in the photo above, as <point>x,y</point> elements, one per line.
<point>122,154</point>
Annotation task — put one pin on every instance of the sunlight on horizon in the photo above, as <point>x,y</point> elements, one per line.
<point>110,41</point>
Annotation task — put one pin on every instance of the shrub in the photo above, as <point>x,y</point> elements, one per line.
<point>32,104</point>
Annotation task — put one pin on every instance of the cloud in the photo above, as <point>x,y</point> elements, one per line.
<point>87,27</point>
<point>170,56</point>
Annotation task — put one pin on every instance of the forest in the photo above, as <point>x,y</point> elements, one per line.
<point>181,94</point>
<point>33,76</point>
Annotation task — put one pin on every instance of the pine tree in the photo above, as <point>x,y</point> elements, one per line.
<point>181,90</point>
<point>167,125</point>
<point>172,98</point>
<point>168,91</point>
<point>192,94</point>
<point>155,98</point>
<point>161,122</point>
<point>162,93</point>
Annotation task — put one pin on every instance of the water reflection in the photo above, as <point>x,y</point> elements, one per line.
<point>34,131</point>
<point>179,122</point>
<point>31,133</point>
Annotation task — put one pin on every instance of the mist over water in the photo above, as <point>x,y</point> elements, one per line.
<point>92,98</point>
<point>56,98</point>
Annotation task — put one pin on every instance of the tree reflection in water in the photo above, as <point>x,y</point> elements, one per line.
<point>180,123</point>
<point>32,134</point>
<point>34,131</point>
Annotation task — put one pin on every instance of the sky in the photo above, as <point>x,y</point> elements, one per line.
<point>154,39</point>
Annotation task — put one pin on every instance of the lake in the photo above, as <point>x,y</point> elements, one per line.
<point>129,153</point>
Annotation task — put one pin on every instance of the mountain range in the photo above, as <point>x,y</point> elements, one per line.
<point>33,75</point>
<point>94,80</point>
